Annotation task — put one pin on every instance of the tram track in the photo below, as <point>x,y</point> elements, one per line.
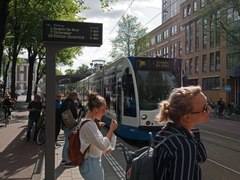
<point>223,155</point>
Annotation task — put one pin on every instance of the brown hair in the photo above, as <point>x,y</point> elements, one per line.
<point>178,104</point>
<point>94,100</point>
<point>72,95</point>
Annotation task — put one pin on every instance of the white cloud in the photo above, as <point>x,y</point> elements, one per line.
<point>144,10</point>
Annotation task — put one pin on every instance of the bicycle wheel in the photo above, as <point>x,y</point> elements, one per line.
<point>41,136</point>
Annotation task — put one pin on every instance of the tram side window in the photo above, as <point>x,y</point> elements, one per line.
<point>129,95</point>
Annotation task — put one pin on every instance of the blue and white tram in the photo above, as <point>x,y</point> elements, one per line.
<point>133,87</point>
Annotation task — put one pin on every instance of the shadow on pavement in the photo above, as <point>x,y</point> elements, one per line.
<point>19,158</point>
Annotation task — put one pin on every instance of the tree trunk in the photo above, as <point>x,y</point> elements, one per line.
<point>3,19</point>
<point>32,59</point>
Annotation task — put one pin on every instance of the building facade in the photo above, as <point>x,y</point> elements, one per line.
<point>21,77</point>
<point>208,55</point>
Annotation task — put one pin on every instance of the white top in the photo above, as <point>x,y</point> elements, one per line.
<point>90,134</point>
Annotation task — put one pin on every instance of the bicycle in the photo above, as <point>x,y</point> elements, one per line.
<point>7,115</point>
<point>41,129</point>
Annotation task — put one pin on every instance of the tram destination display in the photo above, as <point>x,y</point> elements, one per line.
<point>159,64</point>
<point>79,33</point>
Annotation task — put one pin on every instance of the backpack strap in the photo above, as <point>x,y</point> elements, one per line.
<point>84,122</point>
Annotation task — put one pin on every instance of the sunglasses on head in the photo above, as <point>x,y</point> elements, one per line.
<point>204,110</point>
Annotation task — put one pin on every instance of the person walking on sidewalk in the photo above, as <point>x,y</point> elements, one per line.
<point>69,103</point>
<point>58,117</point>
<point>34,108</point>
<point>91,137</point>
<point>8,103</point>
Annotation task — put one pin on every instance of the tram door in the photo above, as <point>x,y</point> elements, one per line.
<point>129,101</point>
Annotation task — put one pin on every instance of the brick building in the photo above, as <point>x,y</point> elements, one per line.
<point>208,55</point>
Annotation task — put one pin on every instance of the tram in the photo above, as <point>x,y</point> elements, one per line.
<point>133,87</point>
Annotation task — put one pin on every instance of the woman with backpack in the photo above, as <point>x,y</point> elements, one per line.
<point>180,155</point>
<point>68,104</point>
<point>90,136</point>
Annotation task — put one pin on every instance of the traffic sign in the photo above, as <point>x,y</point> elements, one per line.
<point>227,89</point>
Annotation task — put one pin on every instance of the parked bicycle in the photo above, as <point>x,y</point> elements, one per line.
<point>41,129</point>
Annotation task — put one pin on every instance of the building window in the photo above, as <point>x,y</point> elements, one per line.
<point>174,50</point>
<point>197,26</point>
<point>174,29</point>
<point>188,9</point>
<point>165,52</point>
<point>204,63</point>
<point>158,38</point>
<point>217,61</point>
<point>187,38</point>
<point>202,3</point>
<point>211,83</point>
<point>217,32</point>
<point>185,12</point>
<point>173,8</point>
<point>165,34</point>
<point>212,30</point>
<point>194,6</point>
<point>211,64</point>
<point>204,33</point>
<point>196,68</point>
<point>164,3</point>
<point>190,65</point>
<point>191,37</point>
<point>180,48</point>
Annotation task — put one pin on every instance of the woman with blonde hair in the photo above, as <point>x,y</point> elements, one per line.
<point>180,155</point>
<point>91,137</point>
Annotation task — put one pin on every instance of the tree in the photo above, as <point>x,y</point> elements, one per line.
<point>224,20</point>
<point>130,30</point>
<point>3,21</point>
<point>83,69</point>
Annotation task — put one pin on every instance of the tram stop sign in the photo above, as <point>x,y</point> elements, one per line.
<point>227,89</point>
<point>75,33</point>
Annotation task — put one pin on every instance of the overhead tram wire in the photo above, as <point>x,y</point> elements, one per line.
<point>114,27</point>
<point>120,20</point>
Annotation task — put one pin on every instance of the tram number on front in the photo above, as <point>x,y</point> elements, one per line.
<point>153,64</point>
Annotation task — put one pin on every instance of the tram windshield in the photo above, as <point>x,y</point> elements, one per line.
<point>154,86</point>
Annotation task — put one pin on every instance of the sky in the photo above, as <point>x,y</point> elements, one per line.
<point>147,12</point>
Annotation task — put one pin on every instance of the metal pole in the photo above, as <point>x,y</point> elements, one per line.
<point>50,112</point>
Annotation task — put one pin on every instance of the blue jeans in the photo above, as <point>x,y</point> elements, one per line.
<point>67,131</point>
<point>92,169</point>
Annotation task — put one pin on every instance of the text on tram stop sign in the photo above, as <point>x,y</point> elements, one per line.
<point>79,33</point>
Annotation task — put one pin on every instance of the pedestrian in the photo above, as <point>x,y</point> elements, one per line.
<point>34,108</point>
<point>179,157</point>
<point>8,103</point>
<point>221,107</point>
<point>69,103</point>
<point>91,136</point>
<point>58,117</point>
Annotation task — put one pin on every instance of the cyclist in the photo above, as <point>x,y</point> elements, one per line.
<point>8,103</point>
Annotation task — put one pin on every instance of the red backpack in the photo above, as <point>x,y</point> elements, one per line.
<point>74,153</point>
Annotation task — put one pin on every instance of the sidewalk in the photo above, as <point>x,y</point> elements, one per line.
<point>22,160</point>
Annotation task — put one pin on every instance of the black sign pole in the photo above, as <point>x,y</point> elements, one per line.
<point>58,35</point>
<point>50,111</point>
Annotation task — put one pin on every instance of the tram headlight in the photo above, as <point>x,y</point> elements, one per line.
<point>144,117</point>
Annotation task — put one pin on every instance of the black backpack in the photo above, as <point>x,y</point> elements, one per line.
<point>140,163</point>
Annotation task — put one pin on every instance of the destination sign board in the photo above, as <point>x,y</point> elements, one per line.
<point>79,33</point>
<point>160,64</point>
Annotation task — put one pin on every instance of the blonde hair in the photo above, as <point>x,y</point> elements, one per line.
<point>178,104</point>
<point>94,100</point>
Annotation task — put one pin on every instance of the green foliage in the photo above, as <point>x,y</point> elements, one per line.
<point>130,30</point>
<point>223,17</point>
